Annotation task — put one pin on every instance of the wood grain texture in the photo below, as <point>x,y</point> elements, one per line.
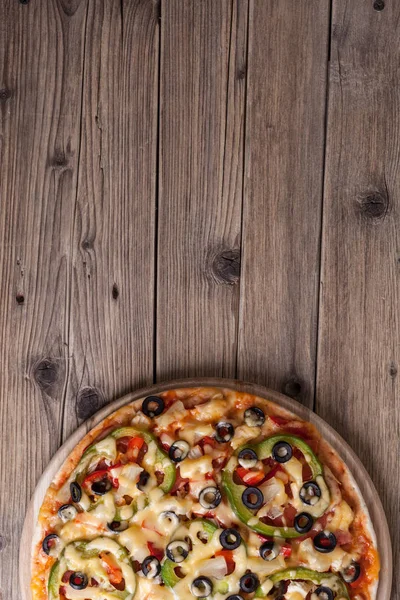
<point>288,44</point>
<point>359,341</point>
<point>112,287</point>
<point>203,62</point>
<point>41,60</point>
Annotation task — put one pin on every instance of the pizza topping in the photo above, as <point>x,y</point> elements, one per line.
<point>101,486</point>
<point>310,493</point>
<point>247,458</point>
<point>210,497</point>
<point>249,583</point>
<point>269,550</point>
<point>254,417</point>
<point>224,432</point>
<point>177,551</point>
<point>351,573</point>
<point>151,567</point>
<point>51,544</point>
<point>252,498</point>
<point>117,526</point>
<point>179,451</point>
<point>303,522</point>
<point>76,492</point>
<point>201,587</point>
<point>235,597</point>
<point>78,580</point>
<point>282,452</point>
<point>153,406</point>
<point>230,539</point>
<point>67,512</point>
<point>325,541</point>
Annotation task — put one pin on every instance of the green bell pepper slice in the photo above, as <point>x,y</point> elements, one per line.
<point>168,574</point>
<point>161,456</point>
<point>61,566</point>
<point>330,579</point>
<point>234,491</point>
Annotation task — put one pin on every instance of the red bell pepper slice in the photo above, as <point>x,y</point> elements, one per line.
<point>250,477</point>
<point>228,556</point>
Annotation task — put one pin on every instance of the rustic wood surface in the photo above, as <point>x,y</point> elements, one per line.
<point>197,188</point>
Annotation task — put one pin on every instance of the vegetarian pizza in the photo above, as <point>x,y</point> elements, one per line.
<point>204,493</point>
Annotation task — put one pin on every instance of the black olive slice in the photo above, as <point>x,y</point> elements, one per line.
<point>252,497</point>
<point>177,551</point>
<point>78,580</point>
<point>51,544</point>
<point>117,526</point>
<point>282,452</point>
<point>235,597</point>
<point>269,550</point>
<point>249,582</point>
<point>76,491</point>
<point>351,573</point>
<point>247,458</point>
<point>201,587</point>
<point>179,451</point>
<point>151,567</point>
<point>254,417</point>
<point>303,522</point>
<point>67,512</point>
<point>224,432</point>
<point>171,516</point>
<point>310,493</point>
<point>143,480</point>
<point>325,542</point>
<point>230,539</point>
<point>324,593</point>
<point>101,487</point>
<point>153,406</point>
<point>210,497</point>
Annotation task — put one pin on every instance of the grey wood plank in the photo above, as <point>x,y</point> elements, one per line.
<point>359,338</point>
<point>112,306</point>
<point>203,60</point>
<point>288,44</point>
<point>41,58</point>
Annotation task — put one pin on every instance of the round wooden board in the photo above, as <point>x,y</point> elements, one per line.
<point>353,463</point>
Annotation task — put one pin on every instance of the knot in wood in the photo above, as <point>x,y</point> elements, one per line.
<point>46,374</point>
<point>292,388</point>
<point>379,5</point>
<point>58,160</point>
<point>392,370</point>
<point>374,205</point>
<point>5,94</point>
<point>226,267</point>
<point>88,402</point>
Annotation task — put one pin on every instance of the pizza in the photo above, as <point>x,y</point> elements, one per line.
<point>204,493</point>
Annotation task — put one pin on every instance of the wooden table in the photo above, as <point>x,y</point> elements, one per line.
<point>197,187</point>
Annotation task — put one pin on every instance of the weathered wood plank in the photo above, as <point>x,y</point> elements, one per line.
<point>111,331</point>
<point>203,58</point>
<point>288,43</point>
<point>41,57</point>
<point>359,339</point>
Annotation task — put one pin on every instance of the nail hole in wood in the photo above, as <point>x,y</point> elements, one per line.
<point>226,267</point>
<point>20,298</point>
<point>46,373</point>
<point>115,291</point>
<point>292,388</point>
<point>373,205</point>
<point>379,5</point>
<point>89,401</point>
<point>241,73</point>
<point>392,370</point>
<point>23,1</point>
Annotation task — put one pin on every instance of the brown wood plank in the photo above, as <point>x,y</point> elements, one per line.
<point>111,331</point>
<point>203,56</point>
<point>288,43</point>
<point>41,58</point>
<point>359,339</point>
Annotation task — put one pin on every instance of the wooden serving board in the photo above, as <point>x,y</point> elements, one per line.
<point>353,463</point>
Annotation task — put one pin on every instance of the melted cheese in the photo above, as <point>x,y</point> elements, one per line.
<point>342,517</point>
<point>312,509</point>
<point>196,468</point>
<point>295,469</point>
<point>318,561</point>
